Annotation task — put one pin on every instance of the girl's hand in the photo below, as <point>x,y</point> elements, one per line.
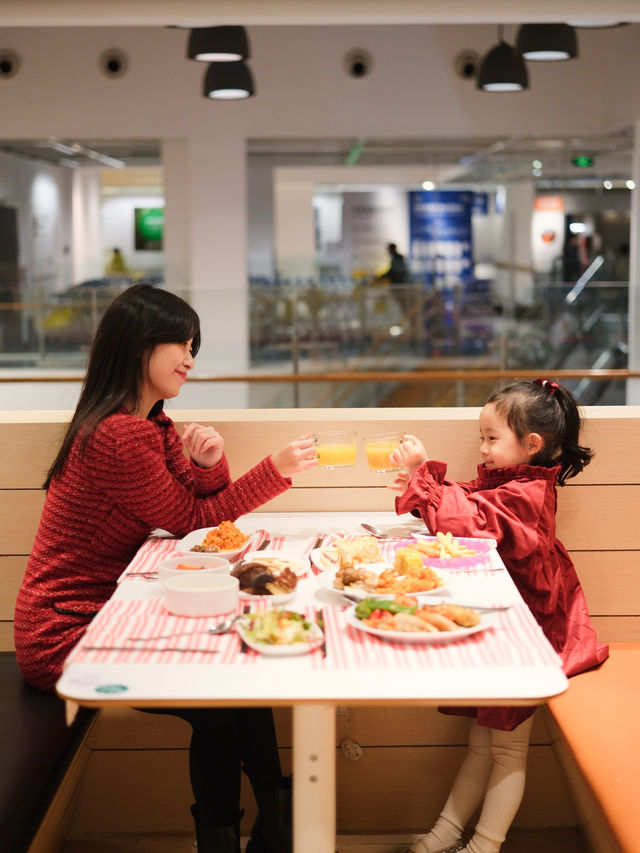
<point>204,445</point>
<point>410,454</point>
<point>400,483</point>
<point>296,457</point>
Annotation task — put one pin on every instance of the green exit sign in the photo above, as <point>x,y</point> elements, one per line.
<point>582,161</point>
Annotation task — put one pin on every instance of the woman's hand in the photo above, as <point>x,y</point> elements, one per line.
<point>204,445</point>
<point>296,457</point>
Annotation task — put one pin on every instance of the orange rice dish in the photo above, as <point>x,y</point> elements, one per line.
<point>224,537</point>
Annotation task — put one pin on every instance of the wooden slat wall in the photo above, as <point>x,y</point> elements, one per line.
<point>410,755</point>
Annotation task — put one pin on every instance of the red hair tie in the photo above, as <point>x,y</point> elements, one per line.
<point>552,387</point>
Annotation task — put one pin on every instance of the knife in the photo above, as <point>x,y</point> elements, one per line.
<point>319,620</point>
<point>264,545</point>
<point>146,649</point>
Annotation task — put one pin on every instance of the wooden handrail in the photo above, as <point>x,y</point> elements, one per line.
<point>407,376</point>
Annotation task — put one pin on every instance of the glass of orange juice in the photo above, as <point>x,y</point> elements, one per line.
<point>336,448</point>
<point>377,449</point>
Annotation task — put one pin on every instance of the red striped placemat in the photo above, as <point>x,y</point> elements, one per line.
<point>514,640</point>
<point>156,549</point>
<point>120,619</point>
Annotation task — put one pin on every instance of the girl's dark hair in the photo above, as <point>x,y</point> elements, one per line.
<point>134,323</point>
<point>551,410</point>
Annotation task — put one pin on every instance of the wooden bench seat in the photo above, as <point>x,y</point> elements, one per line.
<point>38,751</point>
<point>597,741</point>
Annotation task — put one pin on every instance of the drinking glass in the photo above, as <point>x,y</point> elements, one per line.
<point>336,448</point>
<point>378,448</point>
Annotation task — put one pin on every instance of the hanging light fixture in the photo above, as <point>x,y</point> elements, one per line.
<point>218,44</point>
<point>226,81</point>
<point>502,69</point>
<point>547,42</point>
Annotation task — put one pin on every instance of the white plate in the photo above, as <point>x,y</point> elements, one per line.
<point>185,545</point>
<point>319,561</point>
<point>284,650</point>
<point>279,598</point>
<point>299,561</point>
<point>487,620</point>
<point>325,579</point>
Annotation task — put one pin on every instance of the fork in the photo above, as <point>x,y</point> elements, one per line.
<point>220,628</point>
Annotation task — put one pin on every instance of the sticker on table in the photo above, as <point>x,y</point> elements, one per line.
<point>111,688</point>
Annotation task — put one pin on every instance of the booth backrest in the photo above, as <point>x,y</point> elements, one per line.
<point>597,514</point>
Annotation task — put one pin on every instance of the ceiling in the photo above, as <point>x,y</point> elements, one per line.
<point>453,160</point>
<point>470,160</point>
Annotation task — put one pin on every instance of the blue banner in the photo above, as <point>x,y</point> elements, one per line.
<point>440,236</point>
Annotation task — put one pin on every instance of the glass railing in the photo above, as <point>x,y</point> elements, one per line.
<point>311,328</point>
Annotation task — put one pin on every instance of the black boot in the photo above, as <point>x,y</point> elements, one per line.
<point>217,839</point>
<point>272,831</point>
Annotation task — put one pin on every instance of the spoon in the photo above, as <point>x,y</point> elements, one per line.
<point>220,628</point>
<point>374,531</point>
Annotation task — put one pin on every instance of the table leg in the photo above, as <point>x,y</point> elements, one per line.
<point>314,778</point>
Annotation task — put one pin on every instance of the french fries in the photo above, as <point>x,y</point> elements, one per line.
<point>444,548</point>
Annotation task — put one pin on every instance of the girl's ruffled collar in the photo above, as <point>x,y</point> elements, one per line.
<point>495,476</point>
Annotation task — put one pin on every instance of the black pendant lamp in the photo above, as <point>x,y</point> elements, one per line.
<point>227,81</point>
<point>547,42</point>
<point>218,44</point>
<point>502,69</point>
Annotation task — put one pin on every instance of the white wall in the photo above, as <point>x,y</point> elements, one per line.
<point>302,90</point>
<point>118,231</point>
<point>42,195</point>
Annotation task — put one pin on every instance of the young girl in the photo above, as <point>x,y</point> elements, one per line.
<point>529,441</point>
<point>120,472</point>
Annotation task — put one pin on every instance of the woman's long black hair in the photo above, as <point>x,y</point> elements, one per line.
<point>551,410</point>
<point>136,321</point>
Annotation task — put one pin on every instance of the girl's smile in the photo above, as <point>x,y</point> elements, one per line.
<point>499,445</point>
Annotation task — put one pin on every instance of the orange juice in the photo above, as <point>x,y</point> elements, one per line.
<point>377,450</point>
<point>336,448</point>
<point>336,455</point>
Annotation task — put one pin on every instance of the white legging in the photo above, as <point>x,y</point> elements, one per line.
<point>492,773</point>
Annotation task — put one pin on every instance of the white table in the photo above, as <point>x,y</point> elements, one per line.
<point>463,673</point>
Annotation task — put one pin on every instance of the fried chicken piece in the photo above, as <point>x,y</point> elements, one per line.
<point>463,616</point>
<point>437,620</point>
<point>353,576</point>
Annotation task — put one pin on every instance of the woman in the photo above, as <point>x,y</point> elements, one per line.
<point>121,472</point>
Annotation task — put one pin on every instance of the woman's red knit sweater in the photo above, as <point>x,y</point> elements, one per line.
<point>132,477</point>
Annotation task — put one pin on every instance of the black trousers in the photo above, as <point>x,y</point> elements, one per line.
<point>225,742</point>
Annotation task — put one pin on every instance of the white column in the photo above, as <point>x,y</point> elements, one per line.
<point>177,218</point>
<point>86,225</point>
<point>218,227</point>
<point>514,280</point>
<point>294,227</point>
<point>633,385</point>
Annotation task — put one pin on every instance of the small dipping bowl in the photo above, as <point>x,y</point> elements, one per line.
<point>201,594</point>
<point>197,563</point>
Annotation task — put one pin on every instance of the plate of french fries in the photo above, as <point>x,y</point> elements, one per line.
<point>444,550</point>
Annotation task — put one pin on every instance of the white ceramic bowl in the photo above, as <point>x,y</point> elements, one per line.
<point>198,564</point>
<point>202,594</point>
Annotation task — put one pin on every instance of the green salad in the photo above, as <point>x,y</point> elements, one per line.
<point>365,608</point>
<point>278,627</point>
